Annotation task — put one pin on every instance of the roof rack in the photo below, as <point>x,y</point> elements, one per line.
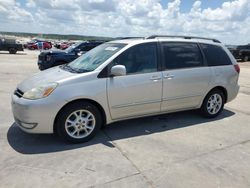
<point>122,38</point>
<point>184,37</point>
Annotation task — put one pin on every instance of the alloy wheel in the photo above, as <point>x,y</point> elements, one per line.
<point>214,104</point>
<point>80,124</point>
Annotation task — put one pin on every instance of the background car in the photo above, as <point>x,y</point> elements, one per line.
<point>34,45</point>
<point>10,45</point>
<point>52,58</point>
<point>241,52</point>
<point>65,45</point>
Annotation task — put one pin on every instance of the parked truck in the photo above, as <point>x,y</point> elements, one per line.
<point>241,52</point>
<point>10,45</point>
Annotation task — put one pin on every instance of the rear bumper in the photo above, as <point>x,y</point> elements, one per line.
<point>20,48</point>
<point>232,92</point>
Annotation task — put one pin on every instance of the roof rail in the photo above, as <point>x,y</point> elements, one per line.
<point>122,38</point>
<point>184,37</point>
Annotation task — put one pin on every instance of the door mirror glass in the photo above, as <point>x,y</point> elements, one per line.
<point>77,50</point>
<point>118,70</point>
<point>79,54</point>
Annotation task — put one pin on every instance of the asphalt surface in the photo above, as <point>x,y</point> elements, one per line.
<point>173,150</point>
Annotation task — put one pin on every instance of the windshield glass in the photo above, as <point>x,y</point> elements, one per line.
<point>95,57</point>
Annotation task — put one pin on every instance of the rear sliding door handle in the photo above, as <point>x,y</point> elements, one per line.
<point>155,78</point>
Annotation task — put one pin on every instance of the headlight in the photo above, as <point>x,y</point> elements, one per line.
<point>40,91</point>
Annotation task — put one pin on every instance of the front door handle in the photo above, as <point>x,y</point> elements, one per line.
<point>169,76</point>
<point>155,78</point>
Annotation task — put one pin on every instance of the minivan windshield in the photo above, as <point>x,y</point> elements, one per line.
<point>95,57</point>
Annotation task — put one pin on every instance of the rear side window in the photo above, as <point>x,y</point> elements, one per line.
<point>181,55</point>
<point>215,55</point>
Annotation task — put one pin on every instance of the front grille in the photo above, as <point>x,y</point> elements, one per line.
<point>18,93</point>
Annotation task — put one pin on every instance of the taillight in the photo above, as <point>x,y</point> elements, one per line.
<point>237,68</point>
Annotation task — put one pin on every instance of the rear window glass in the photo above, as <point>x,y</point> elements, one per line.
<point>215,55</point>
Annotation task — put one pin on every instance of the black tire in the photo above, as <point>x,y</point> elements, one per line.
<point>41,67</point>
<point>12,50</point>
<point>246,58</point>
<point>66,113</point>
<point>204,108</point>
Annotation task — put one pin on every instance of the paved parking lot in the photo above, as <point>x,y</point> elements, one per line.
<point>174,150</point>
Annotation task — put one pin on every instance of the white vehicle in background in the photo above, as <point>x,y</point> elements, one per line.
<point>126,79</point>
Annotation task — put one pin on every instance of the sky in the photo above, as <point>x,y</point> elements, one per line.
<point>226,20</point>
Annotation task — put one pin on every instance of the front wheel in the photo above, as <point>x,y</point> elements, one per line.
<point>41,67</point>
<point>213,104</point>
<point>79,122</point>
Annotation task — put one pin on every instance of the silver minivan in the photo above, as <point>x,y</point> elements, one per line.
<point>127,79</point>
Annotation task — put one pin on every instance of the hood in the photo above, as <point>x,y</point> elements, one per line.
<point>52,52</point>
<point>50,75</point>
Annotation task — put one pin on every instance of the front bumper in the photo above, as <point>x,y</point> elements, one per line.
<point>34,116</point>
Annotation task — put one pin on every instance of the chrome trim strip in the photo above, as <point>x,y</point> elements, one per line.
<point>136,103</point>
<point>153,114</point>
<point>152,101</point>
<point>182,97</point>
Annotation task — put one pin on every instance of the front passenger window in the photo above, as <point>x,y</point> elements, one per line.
<point>139,59</point>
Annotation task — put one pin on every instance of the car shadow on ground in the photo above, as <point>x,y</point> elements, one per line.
<point>18,53</point>
<point>40,143</point>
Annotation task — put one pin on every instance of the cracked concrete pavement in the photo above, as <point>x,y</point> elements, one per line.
<point>172,150</point>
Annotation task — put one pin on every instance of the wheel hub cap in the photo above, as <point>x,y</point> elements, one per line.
<point>214,104</point>
<point>80,123</point>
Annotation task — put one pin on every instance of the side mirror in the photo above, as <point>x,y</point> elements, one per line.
<point>79,54</point>
<point>118,70</point>
<point>77,50</point>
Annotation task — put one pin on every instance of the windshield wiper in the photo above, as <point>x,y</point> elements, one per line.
<point>82,70</point>
<point>73,70</point>
<point>68,68</point>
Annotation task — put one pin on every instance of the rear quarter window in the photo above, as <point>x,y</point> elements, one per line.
<point>215,55</point>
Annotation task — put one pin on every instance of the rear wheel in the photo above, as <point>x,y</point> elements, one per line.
<point>79,122</point>
<point>213,104</point>
<point>12,51</point>
<point>246,58</point>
